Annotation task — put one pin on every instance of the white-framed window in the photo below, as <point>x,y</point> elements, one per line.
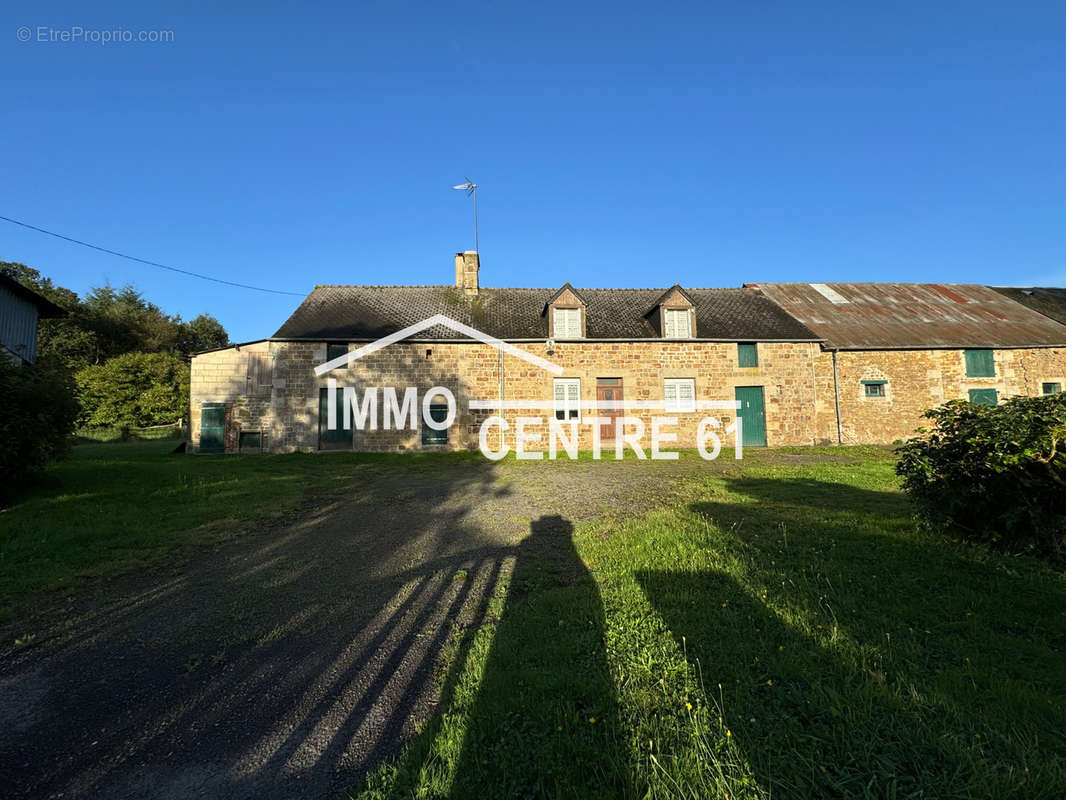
<point>678,323</point>
<point>568,398</point>
<point>679,394</point>
<point>566,323</point>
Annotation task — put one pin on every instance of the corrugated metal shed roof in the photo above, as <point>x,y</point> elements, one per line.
<point>1049,301</point>
<point>369,312</point>
<point>881,316</point>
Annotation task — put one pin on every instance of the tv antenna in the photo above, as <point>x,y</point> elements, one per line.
<point>471,189</point>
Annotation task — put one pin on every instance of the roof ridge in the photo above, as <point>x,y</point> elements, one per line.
<point>528,288</point>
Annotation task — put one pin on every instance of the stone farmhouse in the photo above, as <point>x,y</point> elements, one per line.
<point>800,364</point>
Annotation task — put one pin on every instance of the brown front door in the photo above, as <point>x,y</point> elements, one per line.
<point>608,390</point>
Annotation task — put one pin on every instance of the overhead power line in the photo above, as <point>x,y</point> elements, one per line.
<point>144,260</point>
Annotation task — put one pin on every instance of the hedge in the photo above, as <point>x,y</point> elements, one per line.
<point>993,474</point>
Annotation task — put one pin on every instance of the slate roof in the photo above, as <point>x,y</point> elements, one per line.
<point>882,316</point>
<point>1049,301</point>
<point>354,313</point>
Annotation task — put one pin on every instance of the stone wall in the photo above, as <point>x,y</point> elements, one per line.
<point>917,380</point>
<point>797,380</point>
<point>285,405</point>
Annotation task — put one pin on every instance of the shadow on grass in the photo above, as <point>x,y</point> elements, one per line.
<point>530,706</point>
<point>282,665</point>
<point>856,657</point>
<point>544,722</point>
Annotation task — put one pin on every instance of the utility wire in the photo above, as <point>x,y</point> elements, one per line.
<point>145,261</point>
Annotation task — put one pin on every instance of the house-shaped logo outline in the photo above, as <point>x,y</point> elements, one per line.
<point>429,322</point>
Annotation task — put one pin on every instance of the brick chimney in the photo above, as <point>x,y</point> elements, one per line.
<point>466,268</point>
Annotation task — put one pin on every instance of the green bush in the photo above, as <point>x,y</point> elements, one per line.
<point>38,409</point>
<point>993,474</point>
<point>135,389</point>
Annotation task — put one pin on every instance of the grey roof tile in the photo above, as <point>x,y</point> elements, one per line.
<point>369,312</point>
<point>1049,301</point>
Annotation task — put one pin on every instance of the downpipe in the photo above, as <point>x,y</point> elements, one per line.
<point>836,399</point>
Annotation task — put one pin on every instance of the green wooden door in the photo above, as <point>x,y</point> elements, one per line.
<point>338,438</point>
<point>752,415</point>
<point>213,428</point>
<point>984,397</point>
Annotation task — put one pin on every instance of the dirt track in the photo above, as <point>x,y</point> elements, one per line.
<point>289,661</point>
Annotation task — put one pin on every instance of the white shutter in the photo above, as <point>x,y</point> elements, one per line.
<point>670,395</point>
<point>567,323</point>
<point>679,394</point>
<point>684,327</point>
<point>677,324</point>
<point>567,398</point>
<point>686,395</point>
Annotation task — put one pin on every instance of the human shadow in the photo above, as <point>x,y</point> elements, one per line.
<point>851,656</point>
<point>544,722</point>
<point>282,664</point>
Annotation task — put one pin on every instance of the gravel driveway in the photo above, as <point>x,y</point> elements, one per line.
<point>290,660</point>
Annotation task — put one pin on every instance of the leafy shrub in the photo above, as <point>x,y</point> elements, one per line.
<point>993,474</point>
<point>135,389</point>
<point>38,409</point>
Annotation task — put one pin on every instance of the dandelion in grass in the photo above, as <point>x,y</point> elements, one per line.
<point>592,720</point>
<point>770,682</point>
<point>688,706</point>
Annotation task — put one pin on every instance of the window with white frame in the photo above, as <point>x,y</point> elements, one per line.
<point>567,398</point>
<point>566,323</point>
<point>679,394</point>
<point>678,323</point>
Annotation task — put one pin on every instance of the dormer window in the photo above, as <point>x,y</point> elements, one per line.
<point>677,323</point>
<point>566,323</point>
<point>673,316</point>
<point>565,314</point>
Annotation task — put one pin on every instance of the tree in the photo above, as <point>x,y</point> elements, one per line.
<point>137,389</point>
<point>39,411</point>
<point>109,322</point>
<point>69,340</point>
<point>201,333</point>
<point>124,322</point>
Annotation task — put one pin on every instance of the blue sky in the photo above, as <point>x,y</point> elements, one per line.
<point>615,145</point>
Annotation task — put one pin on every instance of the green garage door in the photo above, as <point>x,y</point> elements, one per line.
<point>213,428</point>
<point>752,414</point>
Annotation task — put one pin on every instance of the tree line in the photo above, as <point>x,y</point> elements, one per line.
<point>127,358</point>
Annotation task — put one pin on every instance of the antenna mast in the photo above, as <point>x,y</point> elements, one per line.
<point>471,189</point>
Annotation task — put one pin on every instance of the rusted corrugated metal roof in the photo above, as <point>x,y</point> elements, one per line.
<point>882,316</point>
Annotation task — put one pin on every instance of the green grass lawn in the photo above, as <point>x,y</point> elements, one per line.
<point>114,507</point>
<point>778,629</point>
<point>785,632</point>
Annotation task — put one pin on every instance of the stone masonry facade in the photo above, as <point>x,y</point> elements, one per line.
<point>285,407</point>
<point>272,388</point>
<point>917,380</point>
